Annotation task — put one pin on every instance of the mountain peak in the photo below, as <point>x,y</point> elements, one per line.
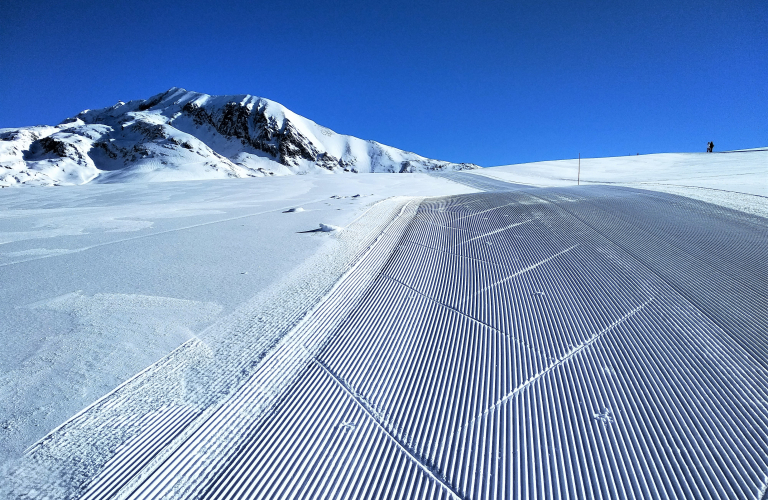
<point>184,135</point>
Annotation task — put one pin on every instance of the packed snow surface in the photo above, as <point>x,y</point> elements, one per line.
<point>181,135</point>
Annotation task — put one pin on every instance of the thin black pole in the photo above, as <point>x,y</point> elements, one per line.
<point>578,179</point>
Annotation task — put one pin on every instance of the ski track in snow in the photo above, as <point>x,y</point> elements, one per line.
<point>593,342</point>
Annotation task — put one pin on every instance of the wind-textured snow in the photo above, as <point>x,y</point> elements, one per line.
<point>182,135</point>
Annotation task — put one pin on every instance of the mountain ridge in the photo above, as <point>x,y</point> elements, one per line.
<point>185,135</point>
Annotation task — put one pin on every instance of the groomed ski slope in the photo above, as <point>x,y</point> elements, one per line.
<point>536,344</point>
<point>570,342</point>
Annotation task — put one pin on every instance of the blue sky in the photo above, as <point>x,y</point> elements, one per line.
<point>488,82</point>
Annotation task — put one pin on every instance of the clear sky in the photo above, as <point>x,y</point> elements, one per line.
<point>491,82</point>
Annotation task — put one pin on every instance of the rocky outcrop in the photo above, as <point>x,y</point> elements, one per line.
<point>262,132</point>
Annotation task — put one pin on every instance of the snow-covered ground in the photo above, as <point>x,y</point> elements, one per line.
<point>737,179</point>
<point>100,281</point>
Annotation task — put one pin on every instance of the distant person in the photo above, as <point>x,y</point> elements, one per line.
<point>710,146</point>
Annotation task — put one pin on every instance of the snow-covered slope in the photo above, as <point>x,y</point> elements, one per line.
<point>734,179</point>
<point>744,171</point>
<point>182,135</point>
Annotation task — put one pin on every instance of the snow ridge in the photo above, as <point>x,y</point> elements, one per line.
<point>183,135</point>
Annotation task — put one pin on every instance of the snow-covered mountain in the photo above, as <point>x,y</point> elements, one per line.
<point>183,135</point>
